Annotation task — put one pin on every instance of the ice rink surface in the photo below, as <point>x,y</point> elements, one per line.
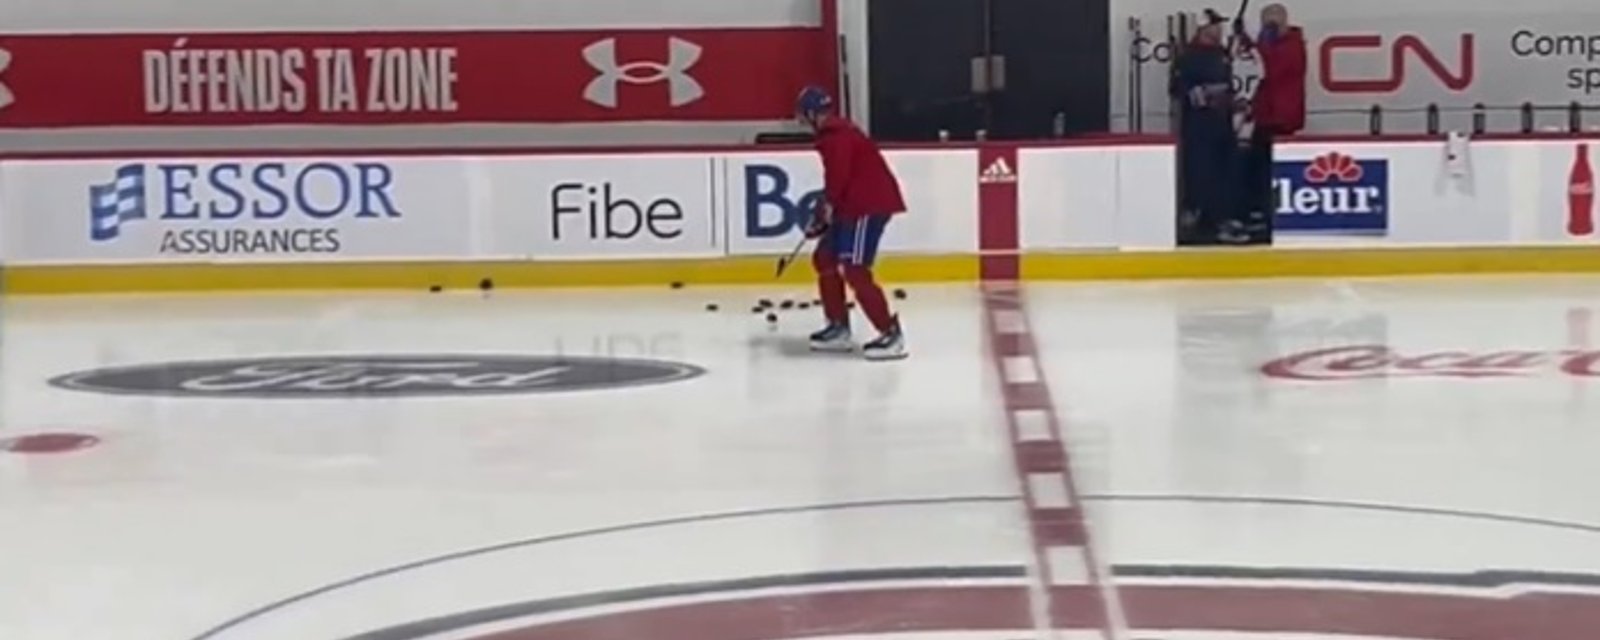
<point>1289,460</point>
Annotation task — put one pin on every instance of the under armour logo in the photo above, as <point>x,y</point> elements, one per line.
<point>6,98</point>
<point>681,56</point>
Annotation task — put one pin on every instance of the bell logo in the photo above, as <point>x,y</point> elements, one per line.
<point>681,56</point>
<point>6,97</point>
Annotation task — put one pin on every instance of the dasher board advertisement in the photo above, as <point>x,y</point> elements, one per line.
<point>771,196</point>
<point>1331,193</point>
<point>1567,207</point>
<point>1340,194</point>
<point>599,207</point>
<point>411,77</point>
<point>219,210</point>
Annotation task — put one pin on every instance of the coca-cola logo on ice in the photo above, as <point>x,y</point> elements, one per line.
<point>386,376</point>
<point>1374,361</point>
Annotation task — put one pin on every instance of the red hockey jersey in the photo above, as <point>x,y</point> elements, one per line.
<point>857,179</point>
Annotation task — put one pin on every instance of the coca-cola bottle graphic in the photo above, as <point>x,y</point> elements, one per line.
<point>1580,195</point>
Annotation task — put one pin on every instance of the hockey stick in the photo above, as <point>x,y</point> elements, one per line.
<point>784,262</point>
<point>1244,5</point>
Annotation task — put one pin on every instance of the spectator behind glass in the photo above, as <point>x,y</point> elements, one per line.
<point>1278,109</point>
<point>1280,101</point>
<point>1202,83</point>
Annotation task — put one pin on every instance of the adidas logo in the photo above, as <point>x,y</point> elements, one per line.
<point>998,172</point>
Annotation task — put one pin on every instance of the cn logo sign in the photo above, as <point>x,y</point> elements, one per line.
<point>1369,52</point>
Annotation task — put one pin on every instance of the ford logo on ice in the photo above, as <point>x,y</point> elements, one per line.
<point>376,376</point>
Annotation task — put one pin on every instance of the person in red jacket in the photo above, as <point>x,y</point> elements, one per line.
<point>861,195</point>
<point>1279,105</point>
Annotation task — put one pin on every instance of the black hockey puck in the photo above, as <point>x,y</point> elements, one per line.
<point>711,307</point>
<point>677,285</point>
<point>805,305</point>
<point>756,310</point>
<point>435,289</point>
<point>772,317</point>
<point>486,284</point>
<point>899,294</point>
<point>764,303</point>
<point>786,305</point>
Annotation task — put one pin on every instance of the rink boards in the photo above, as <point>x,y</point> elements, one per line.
<point>653,216</point>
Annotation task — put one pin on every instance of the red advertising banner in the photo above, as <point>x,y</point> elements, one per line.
<point>406,77</point>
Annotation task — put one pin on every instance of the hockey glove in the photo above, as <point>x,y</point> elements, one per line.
<point>821,219</point>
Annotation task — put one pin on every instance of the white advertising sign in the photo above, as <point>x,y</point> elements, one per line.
<point>686,205</point>
<point>1343,194</point>
<point>1062,198</point>
<point>1147,177</point>
<point>1565,212</point>
<point>1399,55</point>
<point>1097,198</point>
<point>220,210</point>
<point>769,195</point>
<point>598,207</point>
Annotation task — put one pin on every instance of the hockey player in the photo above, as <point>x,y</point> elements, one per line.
<point>861,195</point>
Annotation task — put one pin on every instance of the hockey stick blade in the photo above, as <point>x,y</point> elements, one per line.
<point>784,262</point>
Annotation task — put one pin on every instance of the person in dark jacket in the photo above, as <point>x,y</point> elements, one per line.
<point>1279,107</point>
<point>1202,83</point>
